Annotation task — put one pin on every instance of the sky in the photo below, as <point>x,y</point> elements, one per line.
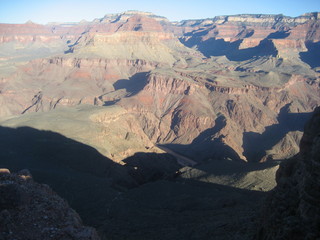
<point>44,11</point>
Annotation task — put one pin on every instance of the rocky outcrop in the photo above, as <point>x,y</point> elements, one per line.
<point>29,210</point>
<point>166,108</point>
<point>141,23</point>
<point>124,16</point>
<point>292,211</point>
<point>179,106</point>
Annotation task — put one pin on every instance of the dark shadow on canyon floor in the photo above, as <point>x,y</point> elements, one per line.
<point>134,84</point>
<point>210,145</point>
<point>183,209</point>
<point>256,144</point>
<point>144,199</point>
<point>212,47</point>
<point>219,47</point>
<point>78,172</point>
<point>207,145</point>
<point>278,35</point>
<point>311,57</point>
<point>110,103</point>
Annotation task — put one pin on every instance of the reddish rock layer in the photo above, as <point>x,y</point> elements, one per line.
<point>132,59</point>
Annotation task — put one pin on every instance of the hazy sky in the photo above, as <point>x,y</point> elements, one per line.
<point>42,11</point>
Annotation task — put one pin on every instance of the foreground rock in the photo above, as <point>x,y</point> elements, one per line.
<point>29,210</point>
<point>292,211</point>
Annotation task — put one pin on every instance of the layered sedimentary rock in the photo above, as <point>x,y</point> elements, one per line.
<point>184,104</point>
<point>292,210</point>
<point>104,99</point>
<point>228,34</point>
<point>246,78</point>
<point>29,210</point>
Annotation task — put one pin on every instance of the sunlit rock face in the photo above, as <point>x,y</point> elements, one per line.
<point>231,81</point>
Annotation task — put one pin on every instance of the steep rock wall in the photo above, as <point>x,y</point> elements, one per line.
<point>292,209</point>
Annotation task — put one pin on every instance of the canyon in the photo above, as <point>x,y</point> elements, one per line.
<point>175,79</point>
<point>138,104</point>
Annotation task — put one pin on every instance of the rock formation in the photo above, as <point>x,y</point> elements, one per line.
<point>252,70</point>
<point>29,210</point>
<point>104,98</point>
<point>292,211</point>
